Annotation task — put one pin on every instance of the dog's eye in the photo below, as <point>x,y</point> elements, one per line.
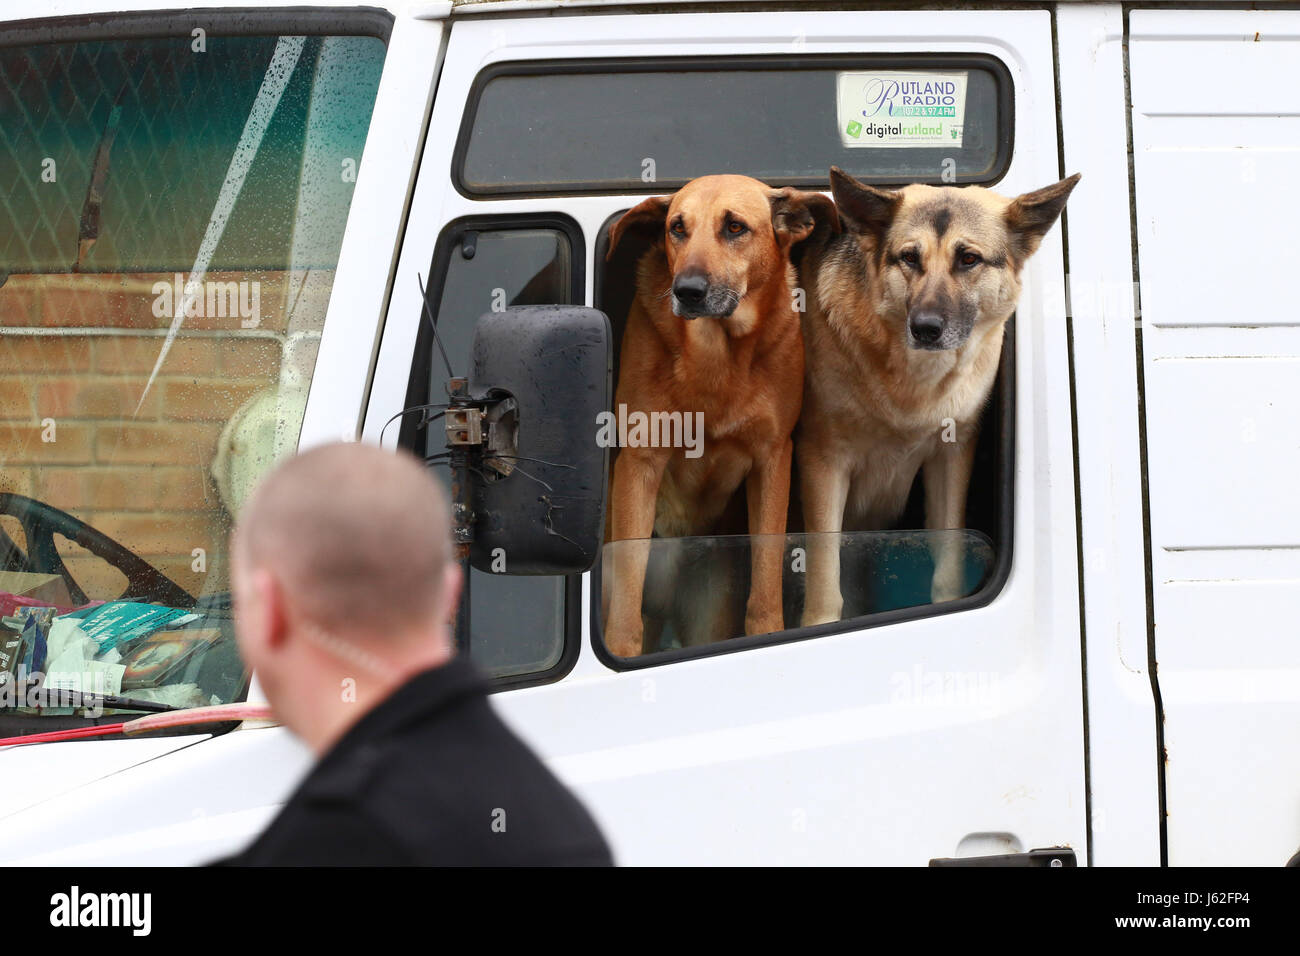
<point>735,228</point>
<point>678,228</point>
<point>910,256</point>
<point>969,259</point>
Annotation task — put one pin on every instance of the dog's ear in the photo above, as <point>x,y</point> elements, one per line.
<point>645,221</point>
<point>864,207</point>
<point>1030,215</point>
<point>798,215</point>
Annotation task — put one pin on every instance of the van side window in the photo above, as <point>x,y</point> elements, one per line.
<point>650,125</point>
<point>518,626</point>
<point>696,587</point>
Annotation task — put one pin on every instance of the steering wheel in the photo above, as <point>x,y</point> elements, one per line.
<point>40,522</point>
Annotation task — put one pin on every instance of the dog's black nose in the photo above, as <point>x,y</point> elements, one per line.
<point>926,327</point>
<point>690,289</point>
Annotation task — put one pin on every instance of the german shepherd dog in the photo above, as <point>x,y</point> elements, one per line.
<point>713,330</point>
<point>903,334</point>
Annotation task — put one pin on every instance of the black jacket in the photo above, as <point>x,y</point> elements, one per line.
<point>430,777</point>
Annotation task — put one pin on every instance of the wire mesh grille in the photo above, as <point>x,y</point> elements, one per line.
<point>160,121</point>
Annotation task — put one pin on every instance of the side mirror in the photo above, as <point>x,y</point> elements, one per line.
<point>529,480</point>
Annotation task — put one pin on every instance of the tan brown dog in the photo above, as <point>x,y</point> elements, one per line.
<point>712,332</point>
<point>903,334</point>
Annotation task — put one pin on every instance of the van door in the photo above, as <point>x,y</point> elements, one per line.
<point>909,731</point>
<point>1221,356</point>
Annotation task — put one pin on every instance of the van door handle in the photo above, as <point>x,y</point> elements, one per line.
<point>1055,856</point>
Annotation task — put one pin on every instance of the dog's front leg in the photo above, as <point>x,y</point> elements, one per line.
<point>637,474</point>
<point>767,492</point>
<point>824,487</point>
<point>947,480</point>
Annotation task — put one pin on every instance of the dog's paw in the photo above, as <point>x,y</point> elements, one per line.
<point>764,621</point>
<point>814,616</point>
<point>625,640</point>
<point>946,587</point>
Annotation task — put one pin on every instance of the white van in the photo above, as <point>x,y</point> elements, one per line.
<point>215,228</point>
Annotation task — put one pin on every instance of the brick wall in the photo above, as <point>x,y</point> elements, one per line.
<point>143,477</point>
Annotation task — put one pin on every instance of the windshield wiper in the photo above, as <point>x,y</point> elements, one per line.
<point>109,702</point>
<point>24,694</point>
<point>88,228</point>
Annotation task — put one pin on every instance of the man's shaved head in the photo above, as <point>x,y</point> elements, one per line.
<point>358,538</point>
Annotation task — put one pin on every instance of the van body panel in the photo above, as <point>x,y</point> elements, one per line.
<point>1216,252</point>
<point>205,801</point>
<point>1123,770</point>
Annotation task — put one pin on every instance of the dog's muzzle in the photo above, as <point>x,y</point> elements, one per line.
<point>931,332</point>
<point>694,297</point>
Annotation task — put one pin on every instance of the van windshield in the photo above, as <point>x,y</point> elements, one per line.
<point>169,231</point>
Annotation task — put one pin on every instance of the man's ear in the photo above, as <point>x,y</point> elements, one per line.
<point>1029,216</point>
<point>646,221</point>
<point>864,207</point>
<point>270,619</point>
<point>797,215</point>
<point>452,581</point>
